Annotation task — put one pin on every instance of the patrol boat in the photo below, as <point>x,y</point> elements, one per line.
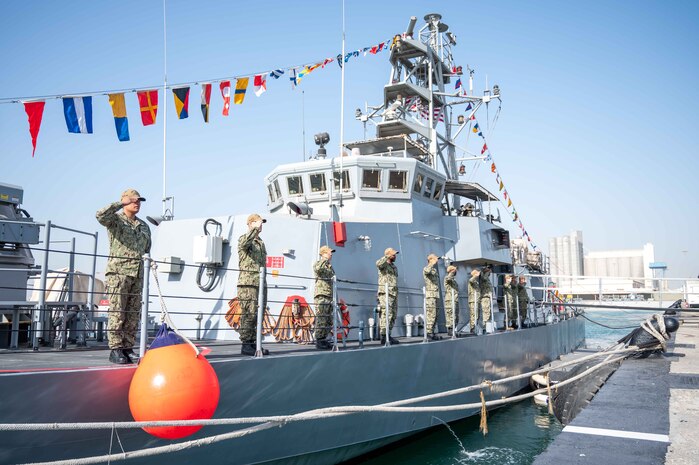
<point>400,189</point>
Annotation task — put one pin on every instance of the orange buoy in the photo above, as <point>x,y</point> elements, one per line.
<point>170,383</point>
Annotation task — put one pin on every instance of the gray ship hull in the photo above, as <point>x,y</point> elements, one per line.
<point>283,384</point>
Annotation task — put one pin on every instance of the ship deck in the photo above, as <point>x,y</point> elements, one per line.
<point>96,354</point>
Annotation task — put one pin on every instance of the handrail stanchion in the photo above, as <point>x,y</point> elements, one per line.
<point>335,349</point>
<point>519,312</point>
<point>71,270</point>
<point>507,310</point>
<point>546,297</point>
<point>144,306</point>
<point>424,314</point>
<point>493,298</point>
<point>40,308</point>
<point>260,311</point>
<point>91,296</point>
<point>453,315</point>
<point>479,313</point>
<point>387,305</point>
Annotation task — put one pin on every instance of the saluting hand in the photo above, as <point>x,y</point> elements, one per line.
<point>128,200</point>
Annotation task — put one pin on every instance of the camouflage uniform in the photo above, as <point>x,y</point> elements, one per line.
<point>474,289</point>
<point>510,295</point>
<point>486,295</point>
<point>324,274</point>
<point>388,274</point>
<point>523,299</point>
<point>431,295</point>
<point>251,256</point>
<point>451,286</point>
<point>129,240</point>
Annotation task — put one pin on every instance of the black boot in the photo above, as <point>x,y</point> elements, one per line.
<point>394,341</point>
<point>323,344</point>
<point>117,356</point>
<point>449,332</point>
<point>131,355</point>
<point>433,337</point>
<point>249,348</point>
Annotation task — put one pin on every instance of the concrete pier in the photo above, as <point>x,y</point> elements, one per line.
<point>646,413</point>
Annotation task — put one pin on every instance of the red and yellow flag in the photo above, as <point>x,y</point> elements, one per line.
<point>148,101</point>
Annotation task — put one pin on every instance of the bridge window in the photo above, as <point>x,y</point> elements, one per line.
<point>345,180</point>
<point>318,182</point>
<point>295,185</point>
<point>437,192</point>
<point>277,189</point>
<point>371,179</point>
<point>398,180</point>
<point>419,180</point>
<point>271,193</point>
<point>428,187</point>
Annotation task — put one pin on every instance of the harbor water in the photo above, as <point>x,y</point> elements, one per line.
<point>517,433</point>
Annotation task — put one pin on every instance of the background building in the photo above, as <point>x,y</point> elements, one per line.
<point>616,273</point>
<point>633,263</point>
<point>566,257</point>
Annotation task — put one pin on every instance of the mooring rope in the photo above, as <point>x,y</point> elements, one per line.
<point>661,333</point>
<point>266,422</point>
<point>311,415</point>
<point>281,418</point>
<point>164,315</point>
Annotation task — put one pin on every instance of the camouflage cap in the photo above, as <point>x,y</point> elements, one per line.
<point>325,249</point>
<point>255,217</point>
<point>132,193</point>
<point>451,269</point>
<point>390,252</point>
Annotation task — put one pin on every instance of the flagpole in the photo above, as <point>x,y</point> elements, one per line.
<point>342,109</point>
<point>164,112</point>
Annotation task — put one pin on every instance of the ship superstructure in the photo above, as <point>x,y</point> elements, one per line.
<point>400,189</point>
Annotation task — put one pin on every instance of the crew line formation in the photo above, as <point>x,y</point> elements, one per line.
<point>130,239</point>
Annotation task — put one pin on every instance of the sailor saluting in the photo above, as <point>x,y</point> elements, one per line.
<point>129,239</point>
<point>451,299</point>
<point>388,280</point>
<point>431,276</point>
<point>252,255</point>
<point>324,273</point>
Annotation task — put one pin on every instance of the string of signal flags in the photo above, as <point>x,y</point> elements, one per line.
<point>77,109</point>
<point>475,127</point>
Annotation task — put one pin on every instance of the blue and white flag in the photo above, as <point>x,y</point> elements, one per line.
<point>78,112</point>
<point>294,78</point>
<point>276,73</point>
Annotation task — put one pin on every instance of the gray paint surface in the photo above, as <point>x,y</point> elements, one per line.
<point>284,384</point>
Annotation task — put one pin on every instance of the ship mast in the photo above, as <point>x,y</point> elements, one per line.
<point>417,104</point>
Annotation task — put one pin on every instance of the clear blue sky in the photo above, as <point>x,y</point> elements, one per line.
<point>598,130</point>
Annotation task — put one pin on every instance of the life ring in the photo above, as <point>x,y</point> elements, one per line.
<point>344,311</point>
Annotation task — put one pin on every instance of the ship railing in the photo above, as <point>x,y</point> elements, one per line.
<point>41,310</point>
<point>548,306</point>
